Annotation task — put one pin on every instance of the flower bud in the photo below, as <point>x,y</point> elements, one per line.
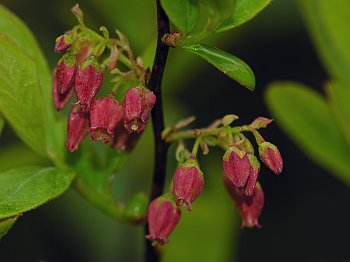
<point>105,115</point>
<point>63,43</point>
<point>163,216</point>
<point>88,81</point>
<point>65,73</point>
<point>253,175</point>
<point>60,100</point>
<point>138,104</point>
<point>271,157</point>
<point>77,129</point>
<point>123,140</point>
<point>249,207</point>
<point>236,166</point>
<point>188,183</point>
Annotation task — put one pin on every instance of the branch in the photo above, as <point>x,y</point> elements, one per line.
<point>161,147</point>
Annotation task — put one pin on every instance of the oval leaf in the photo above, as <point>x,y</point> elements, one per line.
<point>230,65</point>
<point>326,21</point>
<point>23,189</point>
<point>6,224</point>
<point>339,101</point>
<point>21,101</point>
<point>244,10</point>
<point>183,13</point>
<point>306,117</point>
<point>18,32</point>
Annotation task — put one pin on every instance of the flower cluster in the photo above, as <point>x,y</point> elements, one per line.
<point>240,167</point>
<point>81,72</point>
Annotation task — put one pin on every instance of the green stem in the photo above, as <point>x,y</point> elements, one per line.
<point>196,147</point>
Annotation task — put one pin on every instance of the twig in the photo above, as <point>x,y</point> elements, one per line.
<point>161,147</point>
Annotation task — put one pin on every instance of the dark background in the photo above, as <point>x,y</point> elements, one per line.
<point>306,212</point>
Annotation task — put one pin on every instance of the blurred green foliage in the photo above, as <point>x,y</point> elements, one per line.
<point>321,125</point>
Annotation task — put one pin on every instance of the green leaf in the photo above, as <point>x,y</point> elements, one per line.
<point>6,224</point>
<point>95,176</point>
<point>326,21</point>
<point>25,188</point>
<point>2,124</point>
<point>339,102</point>
<point>18,32</point>
<point>306,117</point>
<point>244,10</point>
<point>183,13</point>
<point>230,65</point>
<point>21,101</point>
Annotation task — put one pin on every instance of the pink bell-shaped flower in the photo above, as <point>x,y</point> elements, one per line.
<point>271,157</point>
<point>88,81</point>
<point>138,104</point>
<point>60,100</point>
<point>249,207</point>
<point>236,166</point>
<point>77,129</point>
<point>188,183</point>
<point>105,115</point>
<point>65,73</point>
<point>163,216</point>
<point>63,43</point>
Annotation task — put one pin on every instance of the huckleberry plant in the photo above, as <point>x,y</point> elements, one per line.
<point>82,68</point>
<point>115,114</point>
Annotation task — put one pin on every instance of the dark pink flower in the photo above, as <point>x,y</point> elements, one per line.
<point>236,166</point>
<point>188,183</point>
<point>271,157</point>
<point>63,43</point>
<point>88,81</point>
<point>253,175</point>
<point>138,104</point>
<point>65,73</point>
<point>163,216</point>
<point>105,115</point>
<point>123,140</point>
<point>59,100</point>
<point>77,129</point>
<point>249,207</point>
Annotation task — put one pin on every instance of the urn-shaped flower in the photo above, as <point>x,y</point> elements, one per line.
<point>188,183</point>
<point>105,115</point>
<point>63,43</point>
<point>236,166</point>
<point>65,73</point>
<point>271,157</point>
<point>88,81</point>
<point>163,216</point>
<point>77,129</point>
<point>60,100</point>
<point>138,104</point>
<point>249,207</point>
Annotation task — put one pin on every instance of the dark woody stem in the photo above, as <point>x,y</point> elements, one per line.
<point>161,147</point>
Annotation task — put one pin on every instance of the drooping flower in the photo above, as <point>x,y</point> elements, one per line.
<point>271,157</point>
<point>88,81</point>
<point>236,166</point>
<point>77,129</point>
<point>249,207</point>
<point>63,43</point>
<point>163,216</point>
<point>65,73</point>
<point>60,100</point>
<point>123,140</point>
<point>105,115</point>
<point>138,104</point>
<point>188,183</point>
<point>253,175</point>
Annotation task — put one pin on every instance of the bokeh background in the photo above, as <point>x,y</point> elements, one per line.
<point>306,213</point>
